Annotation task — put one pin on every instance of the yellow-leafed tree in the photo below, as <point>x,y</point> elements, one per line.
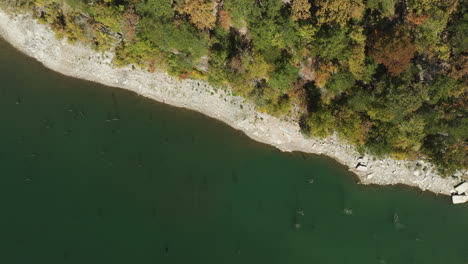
<point>300,9</point>
<point>200,12</point>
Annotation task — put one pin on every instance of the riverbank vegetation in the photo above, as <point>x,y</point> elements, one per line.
<point>388,76</point>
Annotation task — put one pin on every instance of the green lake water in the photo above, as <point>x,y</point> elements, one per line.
<point>93,174</point>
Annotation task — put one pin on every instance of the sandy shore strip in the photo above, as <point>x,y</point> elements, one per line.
<point>39,42</point>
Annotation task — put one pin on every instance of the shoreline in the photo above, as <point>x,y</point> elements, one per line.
<point>39,41</point>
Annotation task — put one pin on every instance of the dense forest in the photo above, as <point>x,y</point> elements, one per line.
<point>389,76</point>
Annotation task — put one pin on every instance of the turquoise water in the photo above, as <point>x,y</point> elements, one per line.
<point>92,174</point>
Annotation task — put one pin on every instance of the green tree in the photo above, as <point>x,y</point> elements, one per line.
<point>407,137</point>
<point>340,82</point>
<point>321,123</point>
<point>332,43</point>
<point>386,8</point>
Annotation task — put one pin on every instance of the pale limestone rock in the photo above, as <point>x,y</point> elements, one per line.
<point>459,199</point>
<point>462,188</point>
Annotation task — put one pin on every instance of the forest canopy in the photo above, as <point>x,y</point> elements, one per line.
<point>388,76</point>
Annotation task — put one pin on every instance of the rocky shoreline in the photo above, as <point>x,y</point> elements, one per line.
<point>39,42</point>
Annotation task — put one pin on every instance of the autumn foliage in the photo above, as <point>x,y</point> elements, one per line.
<point>130,22</point>
<point>300,9</point>
<point>224,19</point>
<point>394,51</point>
<point>339,11</point>
<point>323,73</point>
<point>200,12</point>
<point>416,19</point>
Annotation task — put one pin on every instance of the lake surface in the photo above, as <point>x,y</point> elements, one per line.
<point>93,174</point>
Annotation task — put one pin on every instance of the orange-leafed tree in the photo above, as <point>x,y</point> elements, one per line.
<point>131,19</point>
<point>224,19</point>
<point>395,51</point>
<point>323,73</point>
<point>416,19</point>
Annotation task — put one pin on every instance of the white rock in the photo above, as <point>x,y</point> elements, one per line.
<point>361,168</point>
<point>462,188</point>
<point>363,160</point>
<point>458,199</point>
